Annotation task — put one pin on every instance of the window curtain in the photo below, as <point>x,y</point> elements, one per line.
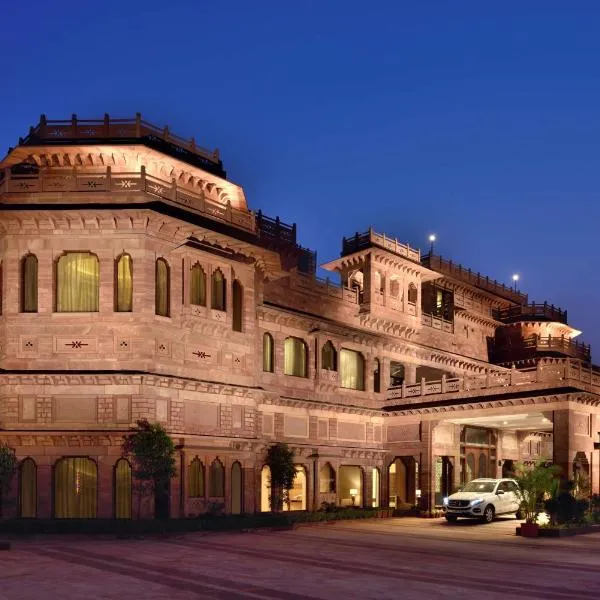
<point>328,357</point>
<point>268,352</point>
<point>218,291</point>
<point>124,282</point>
<point>28,492</point>
<point>352,369</point>
<point>75,488</point>
<point>29,284</point>
<point>295,359</point>
<point>122,489</point>
<point>196,479</point>
<point>217,480</point>
<point>162,284</point>
<point>77,282</point>
<point>197,285</point>
<point>238,305</point>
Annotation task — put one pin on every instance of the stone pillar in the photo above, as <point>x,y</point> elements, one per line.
<point>427,466</point>
<point>572,438</point>
<point>367,491</point>
<point>44,488</point>
<point>105,487</point>
<point>248,490</point>
<point>410,373</point>
<point>175,490</point>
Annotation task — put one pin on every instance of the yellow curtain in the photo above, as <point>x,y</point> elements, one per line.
<point>122,489</point>
<point>75,488</point>
<point>217,480</point>
<point>218,291</point>
<point>162,284</point>
<point>77,282</point>
<point>328,357</point>
<point>196,479</point>
<point>268,353</point>
<point>29,284</point>
<point>295,357</point>
<point>352,370</point>
<point>124,284</point>
<point>28,489</point>
<point>238,305</point>
<point>197,285</point>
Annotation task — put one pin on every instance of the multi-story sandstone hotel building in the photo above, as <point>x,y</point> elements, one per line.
<point>136,283</point>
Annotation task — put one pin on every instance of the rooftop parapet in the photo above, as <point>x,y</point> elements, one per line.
<point>447,267</point>
<point>123,131</point>
<point>531,312</point>
<point>370,239</point>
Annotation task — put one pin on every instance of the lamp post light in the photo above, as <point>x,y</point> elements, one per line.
<point>515,278</point>
<point>432,239</point>
<point>353,494</point>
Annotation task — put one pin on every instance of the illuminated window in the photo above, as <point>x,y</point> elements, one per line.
<point>352,370</point>
<point>77,282</point>
<point>268,353</point>
<point>237,297</point>
<point>295,357</point>
<point>216,480</point>
<point>196,479</point>
<point>162,285</point>
<point>28,489</point>
<point>328,357</point>
<point>29,284</point>
<point>75,488</point>
<point>219,294</point>
<point>124,284</point>
<point>197,285</point>
<point>122,489</point>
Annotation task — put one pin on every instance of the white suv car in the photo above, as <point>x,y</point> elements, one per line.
<point>484,499</point>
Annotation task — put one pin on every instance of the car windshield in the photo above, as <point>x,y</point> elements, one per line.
<point>480,486</point>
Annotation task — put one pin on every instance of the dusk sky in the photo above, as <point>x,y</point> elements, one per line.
<point>478,121</point>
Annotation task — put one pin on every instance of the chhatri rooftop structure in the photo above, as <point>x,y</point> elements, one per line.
<point>136,283</point>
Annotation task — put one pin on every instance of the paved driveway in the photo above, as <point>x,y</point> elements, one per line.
<point>387,559</point>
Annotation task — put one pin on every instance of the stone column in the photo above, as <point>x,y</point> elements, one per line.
<point>572,436</point>
<point>426,466</point>
<point>410,373</point>
<point>44,488</point>
<point>105,487</point>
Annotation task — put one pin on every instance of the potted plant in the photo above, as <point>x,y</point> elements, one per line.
<point>534,484</point>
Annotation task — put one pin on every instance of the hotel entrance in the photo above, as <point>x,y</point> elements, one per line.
<point>477,453</point>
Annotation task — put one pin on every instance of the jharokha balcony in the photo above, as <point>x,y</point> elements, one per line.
<point>514,350</point>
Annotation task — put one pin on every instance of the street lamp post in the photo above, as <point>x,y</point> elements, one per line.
<point>515,278</point>
<point>432,242</point>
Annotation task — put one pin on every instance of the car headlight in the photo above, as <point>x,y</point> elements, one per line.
<point>476,501</point>
<point>445,501</point>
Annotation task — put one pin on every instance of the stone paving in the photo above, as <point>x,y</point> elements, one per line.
<point>387,559</point>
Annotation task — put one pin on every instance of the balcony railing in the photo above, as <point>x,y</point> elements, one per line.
<point>533,312</point>
<point>325,287</point>
<point>549,372</point>
<point>525,347</point>
<point>437,323</point>
<point>441,265</point>
<point>362,241</point>
<point>56,131</point>
<point>275,229</point>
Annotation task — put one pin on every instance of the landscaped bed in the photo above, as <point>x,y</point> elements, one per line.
<point>565,531</point>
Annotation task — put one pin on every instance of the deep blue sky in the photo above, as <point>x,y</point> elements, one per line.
<point>475,120</point>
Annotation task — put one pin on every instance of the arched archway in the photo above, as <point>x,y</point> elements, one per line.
<point>350,485</point>
<point>327,479</point>
<point>122,489</point>
<point>402,481</point>
<point>75,488</point>
<point>265,489</point>
<point>375,487</point>
<point>299,492</point>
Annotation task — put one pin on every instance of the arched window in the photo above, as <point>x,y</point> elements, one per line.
<point>376,376</point>
<point>328,357</point>
<point>28,489</point>
<point>77,282</point>
<point>237,489</point>
<point>75,488</point>
<point>162,288</point>
<point>124,283</point>
<point>219,293</point>
<point>238,305</point>
<point>268,353</point>
<point>352,370</point>
<point>29,284</point>
<point>327,479</point>
<point>216,480</point>
<point>394,288</point>
<point>295,357</point>
<point>197,285</point>
<point>196,479</point>
<point>122,489</point>
<point>412,293</point>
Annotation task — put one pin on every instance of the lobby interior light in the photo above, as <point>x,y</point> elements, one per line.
<point>353,494</point>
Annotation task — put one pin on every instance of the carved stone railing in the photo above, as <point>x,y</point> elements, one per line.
<point>437,323</point>
<point>325,287</point>
<point>533,311</point>
<point>124,184</point>
<point>362,241</point>
<point>547,373</point>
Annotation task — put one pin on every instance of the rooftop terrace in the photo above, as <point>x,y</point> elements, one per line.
<point>370,239</point>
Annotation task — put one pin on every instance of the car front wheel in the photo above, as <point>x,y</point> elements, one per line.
<point>488,514</point>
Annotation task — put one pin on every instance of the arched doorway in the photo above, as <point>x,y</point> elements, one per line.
<point>265,489</point>
<point>478,448</point>
<point>237,490</point>
<point>376,483</point>
<point>298,493</point>
<point>327,479</point>
<point>122,489</point>
<point>350,488</point>
<point>401,481</point>
<point>75,488</point>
